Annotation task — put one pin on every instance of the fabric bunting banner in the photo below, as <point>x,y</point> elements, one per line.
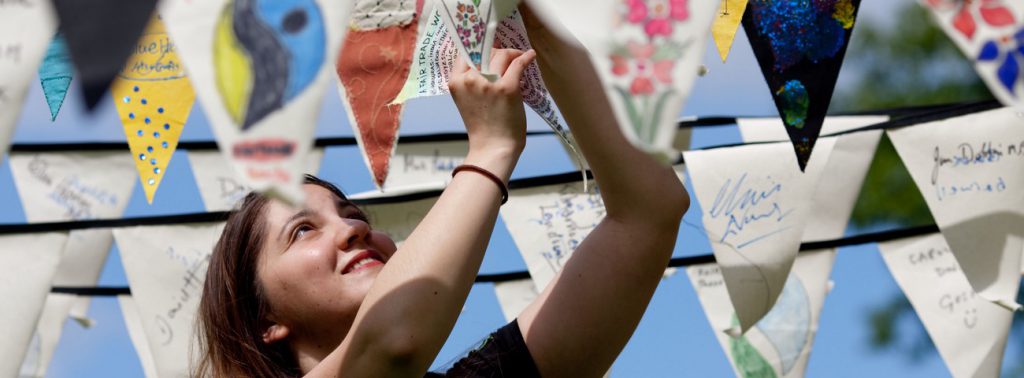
<point>219,186</point>
<point>779,345</point>
<point>36,257</point>
<point>514,296</point>
<point>647,54</point>
<point>427,165</point>
<point>261,87</point>
<point>25,29</point>
<point>99,49</point>
<point>396,217</point>
<point>55,74</point>
<point>755,210</point>
<point>153,97</point>
<point>726,24</point>
<point>969,332</point>
<point>970,170</point>
<point>990,33</point>
<point>137,333</point>
<point>166,267</point>
<point>372,69</point>
<point>800,47</point>
<point>548,222</point>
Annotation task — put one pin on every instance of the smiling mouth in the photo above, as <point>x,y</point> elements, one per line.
<point>363,260</point>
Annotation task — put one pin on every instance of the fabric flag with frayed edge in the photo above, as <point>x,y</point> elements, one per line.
<point>25,30</point>
<point>55,74</point>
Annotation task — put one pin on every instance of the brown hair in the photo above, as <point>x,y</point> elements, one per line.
<point>233,309</point>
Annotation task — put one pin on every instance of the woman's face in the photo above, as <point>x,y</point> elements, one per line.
<point>318,262</point>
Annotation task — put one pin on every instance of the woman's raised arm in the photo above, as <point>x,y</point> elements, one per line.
<point>582,320</point>
<point>414,302</point>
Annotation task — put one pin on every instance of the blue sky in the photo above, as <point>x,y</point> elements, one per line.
<point>673,339</point>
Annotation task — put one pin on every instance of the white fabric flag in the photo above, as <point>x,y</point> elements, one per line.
<point>166,267</point>
<point>548,222</point>
<point>137,333</point>
<point>969,332</point>
<point>779,345</point>
<point>72,186</point>
<point>514,296</point>
<point>647,53</point>
<point>426,165</point>
<point>26,28</point>
<point>989,33</point>
<point>756,203</point>
<point>843,175</point>
<point>35,256</point>
<point>219,185</point>
<point>396,214</point>
<point>261,87</point>
<point>970,170</point>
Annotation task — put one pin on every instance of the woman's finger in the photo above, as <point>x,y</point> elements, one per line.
<point>500,59</point>
<point>514,73</point>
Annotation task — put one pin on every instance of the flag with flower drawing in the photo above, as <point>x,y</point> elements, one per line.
<point>991,34</point>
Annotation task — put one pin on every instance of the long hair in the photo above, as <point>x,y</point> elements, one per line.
<point>233,309</point>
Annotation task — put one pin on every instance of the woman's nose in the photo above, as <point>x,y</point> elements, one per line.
<point>351,232</point>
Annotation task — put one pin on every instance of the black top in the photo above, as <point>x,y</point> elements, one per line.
<point>502,354</point>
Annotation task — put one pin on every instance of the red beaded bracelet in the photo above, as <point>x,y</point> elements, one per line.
<point>485,173</point>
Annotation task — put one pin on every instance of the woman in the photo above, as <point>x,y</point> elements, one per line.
<point>316,291</point>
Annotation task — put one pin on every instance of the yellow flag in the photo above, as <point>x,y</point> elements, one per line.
<point>153,97</point>
<point>727,22</point>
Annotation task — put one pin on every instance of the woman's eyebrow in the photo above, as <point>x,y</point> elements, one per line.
<point>301,214</point>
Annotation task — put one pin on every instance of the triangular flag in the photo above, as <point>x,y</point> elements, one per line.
<point>800,47</point>
<point>153,97</point>
<point>427,165</point>
<point>647,54</point>
<point>969,332</point>
<point>727,22</point>
<point>396,214</point>
<point>25,28</point>
<point>756,203</point>
<point>166,267</point>
<point>36,257</point>
<point>990,33</point>
<point>219,185</point>
<point>474,21</point>
<point>98,44</point>
<point>514,296</point>
<point>47,334</point>
<point>55,74</point>
<point>372,69</point>
<point>548,222</point>
<point>137,333</point>
<point>970,170</point>
<point>260,87</point>
<point>779,345</point>
<point>843,176</point>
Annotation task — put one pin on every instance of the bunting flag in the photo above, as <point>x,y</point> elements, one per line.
<point>261,87</point>
<point>970,170</point>
<point>969,332</point>
<point>219,186</point>
<point>71,186</point>
<point>474,22</point>
<point>426,165</point>
<point>779,345</point>
<point>137,333</point>
<point>28,289</point>
<point>843,176</point>
<point>153,97</point>
<point>514,296</point>
<point>98,45</point>
<point>726,24</point>
<point>800,47</point>
<point>990,33</point>
<point>25,27</point>
<point>166,267</point>
<point>372,70</point>
<point>47,334</point>
<point>646,52</point>
<point>548,222</point>
<point>755,210</point>
<point>395,214</point>
<point>55,74</point>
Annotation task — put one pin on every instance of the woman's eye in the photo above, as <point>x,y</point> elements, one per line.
<point>301,230</point>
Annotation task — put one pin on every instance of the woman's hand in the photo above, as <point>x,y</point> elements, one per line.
<point>493,111</point>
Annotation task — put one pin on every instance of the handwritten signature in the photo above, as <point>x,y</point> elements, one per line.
<point>747,205</point>
<point>967,155</point>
